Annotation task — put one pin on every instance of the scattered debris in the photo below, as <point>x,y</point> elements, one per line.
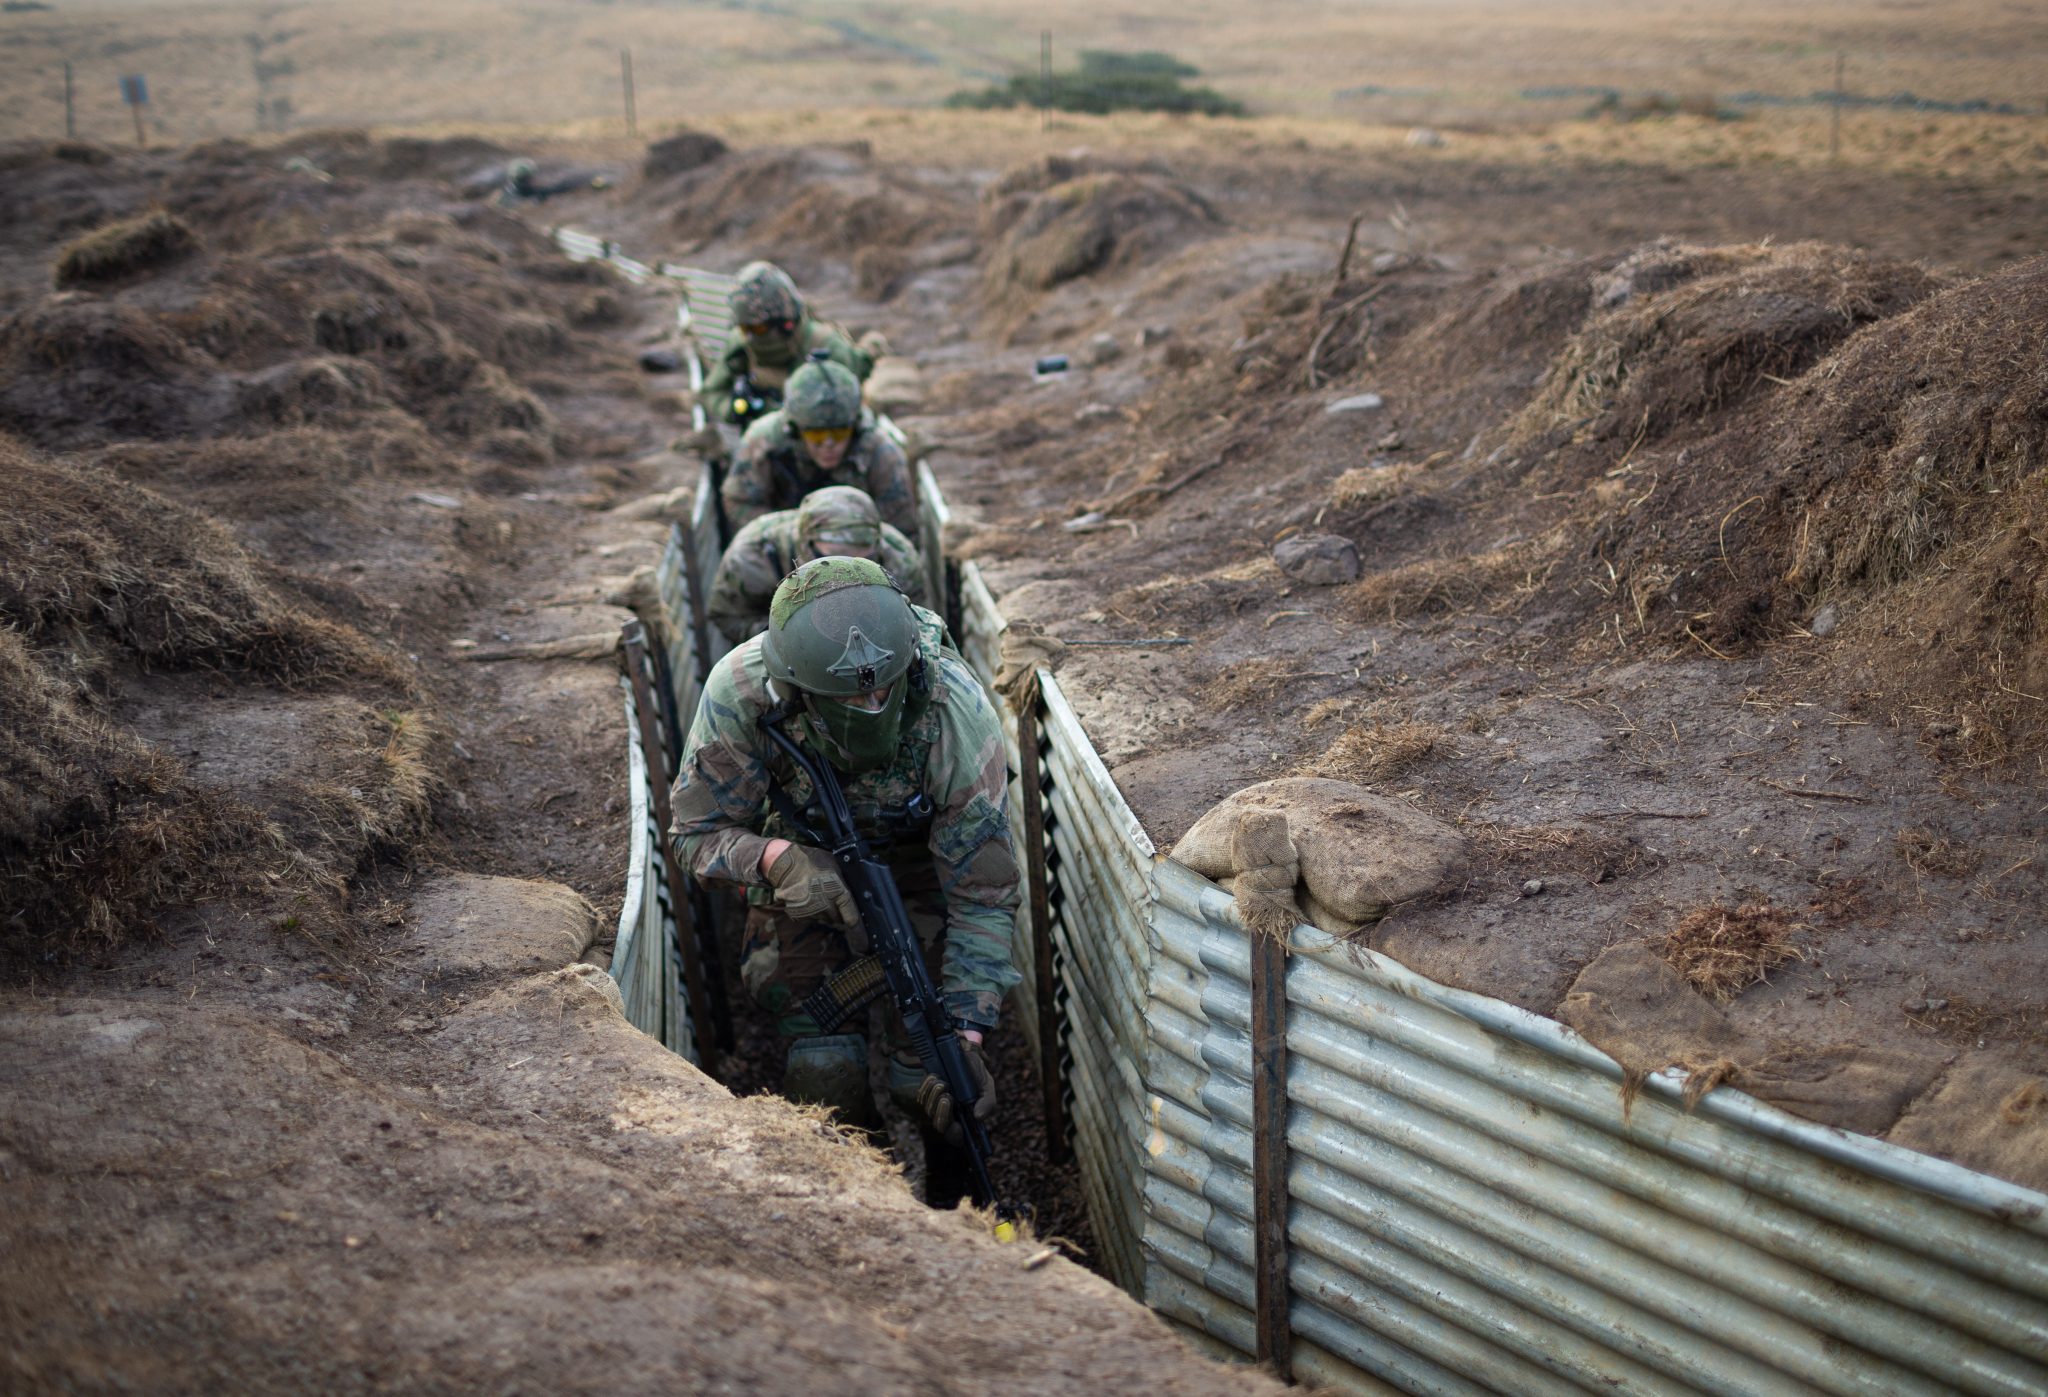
<point>1357,402</point>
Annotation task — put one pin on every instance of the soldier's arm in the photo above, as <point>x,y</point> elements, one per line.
<point>904,563</point>
<point>968,781</point>
<point>743,587</point>
<point>748,492</point>
<point>890,486</point>
<point>721,791</point>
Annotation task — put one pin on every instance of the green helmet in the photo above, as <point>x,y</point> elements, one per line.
<point>841,516</point>
<point>764,295</point>
<point>838,629</point>
<point>820,395</point>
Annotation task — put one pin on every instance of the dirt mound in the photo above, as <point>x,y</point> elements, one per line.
<point>796,206</point>
<point>299,469</point>
<point>425,316</point>
<point>685,150</point>
<point>1093,223</point>
<point>76,367</point>
<point>1899,482</point>
<point>98,830</point>
<point>100,579</point>
<point>96,564</point>
<point>357,154</point>
<point>124,249</point>
<point>1690,332</point>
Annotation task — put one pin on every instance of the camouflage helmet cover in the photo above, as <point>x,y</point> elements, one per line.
<point>822,395</point>
<point>839,515</point>
<point>839,627</point>
<point>764,295</point>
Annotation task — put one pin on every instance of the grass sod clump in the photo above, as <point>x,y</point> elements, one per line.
<point>120,250</point>
<point>98,830</point>
<point>1107,82</point>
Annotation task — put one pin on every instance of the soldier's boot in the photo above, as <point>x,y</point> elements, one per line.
<point>947,1173</point>
<point>832,1071</point>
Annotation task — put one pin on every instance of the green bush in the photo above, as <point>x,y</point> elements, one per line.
<point>1108,82</point>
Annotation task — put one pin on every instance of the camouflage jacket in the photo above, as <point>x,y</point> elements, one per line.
<point>738,360</point>
<point>765,552</point>
<point>952,750</point>
<point>774,472</point>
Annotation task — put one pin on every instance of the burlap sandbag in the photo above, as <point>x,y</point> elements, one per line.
<point>1358,855</point>
<point>1632,1005</point>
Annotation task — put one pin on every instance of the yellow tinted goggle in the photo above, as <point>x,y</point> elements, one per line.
<point>827,436</point>
<point>755,330</point>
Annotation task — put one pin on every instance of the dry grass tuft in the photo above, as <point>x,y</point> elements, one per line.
<point>1723,950</point>
<point>1447,586</point>
<point>1927,852</point>
<point>1370,756</point>
<point>1365,485</point>
<point>118,251</point>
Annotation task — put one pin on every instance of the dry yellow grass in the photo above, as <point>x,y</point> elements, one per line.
<point>1370,756</point>
<point>1326,74</point>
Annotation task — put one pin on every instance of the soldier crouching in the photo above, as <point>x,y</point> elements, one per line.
<point>894,709</point>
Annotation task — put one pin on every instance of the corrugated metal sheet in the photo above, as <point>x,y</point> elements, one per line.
<point>1483,1200</point>
<point>644,958</point>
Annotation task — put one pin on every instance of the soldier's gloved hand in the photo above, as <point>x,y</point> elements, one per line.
<point>937,1103</point>
<point>808,886</point>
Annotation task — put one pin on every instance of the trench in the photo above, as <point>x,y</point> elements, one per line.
<point>1325,1161</point>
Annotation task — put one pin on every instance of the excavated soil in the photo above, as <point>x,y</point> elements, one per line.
<point>1701,582</point>
<point>309,1076</point>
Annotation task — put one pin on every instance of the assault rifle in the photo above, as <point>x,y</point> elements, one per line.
<point>893,942</point>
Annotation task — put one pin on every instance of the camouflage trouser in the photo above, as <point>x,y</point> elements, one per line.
<point>782,960</point>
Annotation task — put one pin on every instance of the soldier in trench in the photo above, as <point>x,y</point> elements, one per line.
<point>822,435</point>
<point>776,335</point>
<point>874,688</point>
<point>837,521</point>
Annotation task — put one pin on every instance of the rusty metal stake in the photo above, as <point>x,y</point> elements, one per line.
<point>1049,1076</point>
<point>634,644</point>
<point>1269,1153</point>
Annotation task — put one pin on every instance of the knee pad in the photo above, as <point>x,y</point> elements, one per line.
<point>831,1071</point>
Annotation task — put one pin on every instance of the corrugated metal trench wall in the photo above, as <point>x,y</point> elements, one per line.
<point>1473,1206</point>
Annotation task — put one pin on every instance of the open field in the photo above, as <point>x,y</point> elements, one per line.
<point>249,68</point>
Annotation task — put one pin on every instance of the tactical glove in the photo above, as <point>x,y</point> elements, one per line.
<point>937,1103</point>
<point>808,886</point>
